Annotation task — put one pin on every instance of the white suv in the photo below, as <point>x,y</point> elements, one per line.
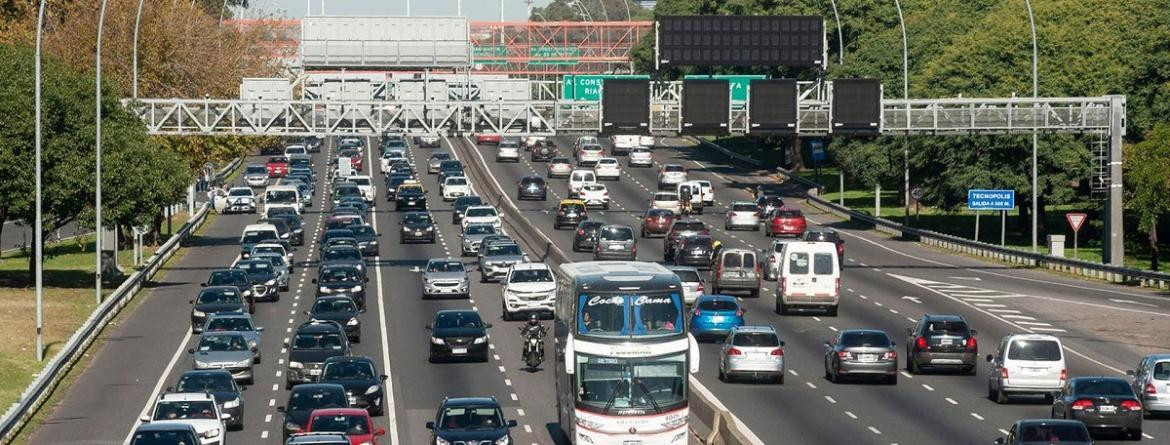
<point>481,215</point>
<point>454,187</point>
<point>608,168</point>
<point>192,408</point>
<point>1026,364</point>
<point>528,287</point>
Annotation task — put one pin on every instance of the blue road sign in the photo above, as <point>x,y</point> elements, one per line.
<point>818,149</point>
<point>991,199</point>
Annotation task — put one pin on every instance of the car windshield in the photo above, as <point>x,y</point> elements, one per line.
<point>481,229</point>
<point>865,339</point>
<point>502,250</point>
<point>217,296</point>
<point>1035,350</point>
<point>457,180</point>
<point>631,385</point>
<point>688,276</point>
<point>481,212</point>
<point>205,382</point>
<point>445,266</point>
<point>276,260</point>
<point>469,418</point>
<point>342,254</point>
<point>689,226</point>
<point>350,425</point>
<point>339,275</point>
<point>1102,387</point>
<point>1051,434</point>
<point>240,192</point>
<point>755,340</point>
<point>593,188</point>
<point>255,170</point>
<point>461,319</point>
<point>334,305</point>
<point>183,410</point>
<point>326,340</point>
<point>348,371</point>
<point>222,342</point>
<point>616,233</point>
<point>717,305</point>
<point>532,276</point>
<point>255,267</point>
<point>226,278</point>
<point>362,231</point>
<point>304,400</point>
<point>228,324</point>
<point>629,314</point>
<point>417,218</point>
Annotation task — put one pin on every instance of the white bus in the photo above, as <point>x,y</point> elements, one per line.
<point>623,354</point>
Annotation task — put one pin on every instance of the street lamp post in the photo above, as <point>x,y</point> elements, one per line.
<point>629,17</point>
<point>38,236</point>
<point>906,137</point>
<point>1035,91</point>
<point>840,39</point>
<point>134,51</point>
<point>98,156</point>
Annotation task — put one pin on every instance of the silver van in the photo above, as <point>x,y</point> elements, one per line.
<point>737,269</point>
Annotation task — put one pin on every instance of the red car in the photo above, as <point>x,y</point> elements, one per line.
<point>277,167</point>
<point>655,222</point>
<point>353,422</point>
<point>784,221</point>
<point>355,158</point>
<point>487,138</point>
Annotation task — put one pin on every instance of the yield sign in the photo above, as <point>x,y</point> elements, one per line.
<point>1075,220</point>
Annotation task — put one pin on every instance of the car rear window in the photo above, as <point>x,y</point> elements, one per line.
<point>673,168</point>
<point>694,226</point>
<point>255,169</point>
<point>798,263</point>
<point>743,208</point>
<point>1049,434</point>
<point>788,213</point>
<point>665,197</point>
<point>946,327</point>
<point>823,264</point>
<point>735,260</point>
<point>1102,387</point>
<point>865,339</point>
<point>688,276</point>
<point>1034,350</point>
<point>755,339</point>
<point>617,234</point>
<point>1162,371</point>
<point>718,305</point>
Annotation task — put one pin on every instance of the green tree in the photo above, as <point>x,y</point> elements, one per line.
<point>1147,184</point>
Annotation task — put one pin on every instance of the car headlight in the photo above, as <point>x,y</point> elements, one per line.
<point>405,229</point>
<point>356,289</point>
<point>233,403</point>
<point>372,389</point>
<point>200,365</point>
<point>504,441</point>
<point>352,322</point>
<point>295,365</point>
<point>252,344</point>
<point>374,243</point>
<point>441,441</point>
<point>437,341</point>
<point>325,290</point>
<point>479,340</point>
<point>242,363</point>
<point>291,426</point>
<point>198,313</point>
<point>430,228</point>
<point>271,282</point>
<point>214,432</point>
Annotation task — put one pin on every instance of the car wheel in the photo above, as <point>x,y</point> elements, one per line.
<point>755,293</point>
<point>1001,397</point>
<point>1135,435</point>
<point>722,375</point>
<point>483,277</point>
<point>912,366</point>
<point>973,370</point>
<point>504,309</point>
<point>832,377</point>
<point>376,411</point>
<point>832,312</point>
<point>1048,398</point>
<point>892,379</point>
<point>780,378</point>
<point>780,308</point>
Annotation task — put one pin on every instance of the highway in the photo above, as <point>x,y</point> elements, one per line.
<point>1105,328</point>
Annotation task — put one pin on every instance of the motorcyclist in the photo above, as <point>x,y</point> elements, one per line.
<point>684,197</point>
<point>531,328</point>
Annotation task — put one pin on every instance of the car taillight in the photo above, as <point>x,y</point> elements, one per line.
<point>580,231</point>
<point>1082,404</point>
<point>1151,389</point>
<point>697,312</point>
<point>1003,373</point>
<point>778,352</point>
<point>1063,375</point>
<point>837,286</point>
<point>739,312</point>
<point>845,355</point>
<point>920,343</point>
<point>971,344</point>
<point>734,351</point>
<point>1131,405</point>
<point>700,289</point>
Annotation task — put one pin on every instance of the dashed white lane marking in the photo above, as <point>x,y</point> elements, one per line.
<point>830,399</point>
<point>513,396</point>
<point>911,320</point>
<point>977,416</point>
<point>832,329</point>
<point>264,434</point>
<point>927,387</point>
<point>863,297</point>
<point>508,382</point>
<point>271,402</point>
<point>793,372</point>
<point>893,311</point>
<point>874,430</point>
<point>1003,431</point>
<point>520,412</point>
<point>811,385</point>
<point>268,417</point>
<point>1147,436</point>
<point>851,415</point>
<point>905,374</point>
<point>527,429</point>
<point>501,369</point>
<point>1004,311</point>
<point>817,318</point>
<point>1033,323</point>
<point>275,386</point>
<point>990,305</point>
<point>951,401</point>
<point>1018,317</point>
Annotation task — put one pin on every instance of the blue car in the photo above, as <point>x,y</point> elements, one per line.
<point>715,315</point>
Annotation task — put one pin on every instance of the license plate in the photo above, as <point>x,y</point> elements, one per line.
<point>1107,409</point>
<point>867,357</point>
<point>716,319</point>
<point>615,247</point>
<point>314,372</point>
<point>458,350</point>
<point>946,342</point>
<point>352,401</point>
<point>418,233</point>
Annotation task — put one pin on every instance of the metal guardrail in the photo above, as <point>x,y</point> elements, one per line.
<point>718,424</point>
<point>39,390</point>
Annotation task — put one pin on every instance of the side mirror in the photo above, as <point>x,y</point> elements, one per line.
<point>190,301</point>
<point>191,351</point>
<point>974,332</point>
<point>1130,372</point>
<point>428,327</point>
<point>511,424</point>
<point>430,425</point>
<point>380,432</point>
<point>383,377</point>
<point>827,345</point>
<point>281,409</point>
<point>170,389</point>
<point>144,419</point>
<point>367,279</point>
<point>202,284</point>
<point>285,343</point>
<point>314,281</point>
<point>487,325</point>
<point>259,328</point>
<point>893,343</point>
<point>990,358</point>
<point>782,343</point>
<point>225,416</point>
<point>305,312</point>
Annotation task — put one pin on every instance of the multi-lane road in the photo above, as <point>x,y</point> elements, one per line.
<point>886,285</point>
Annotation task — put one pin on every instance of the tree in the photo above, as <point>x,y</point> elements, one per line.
<point>597,10</point>
<point>1147,184</point>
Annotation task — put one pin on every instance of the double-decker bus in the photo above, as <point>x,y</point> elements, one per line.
<point>623,354</point>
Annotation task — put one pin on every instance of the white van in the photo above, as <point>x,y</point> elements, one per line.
<point>578,179</point>
<point>708,192</point>
<point>810,277</point>
<point>696,195</point>
<point>1026,364</point>
<point>283,196</point>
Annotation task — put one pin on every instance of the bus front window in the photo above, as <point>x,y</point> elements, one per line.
<point>625,315</point>
<point>603,315</point>
<point>634,386</point>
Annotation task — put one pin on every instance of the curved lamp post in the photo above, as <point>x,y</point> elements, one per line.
<point>38,237</point>
<point>98,155</point>
<point>906,99</point>
<point>134,50</point>
<point>840,38</point>
<point>1035,184</point>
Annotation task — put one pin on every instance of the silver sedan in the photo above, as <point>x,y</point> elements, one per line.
<point>752,351</point>
<point>861,353</point>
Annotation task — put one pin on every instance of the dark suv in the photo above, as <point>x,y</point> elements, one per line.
<point>314,342</point>
<point>461,205</point>
<point>941,341</point>
<point>585,237</point>
<point>678,230</point>
<point>470,420</point>
<point>457,334</point>
<point>532,187</point>
<point>363,384</point>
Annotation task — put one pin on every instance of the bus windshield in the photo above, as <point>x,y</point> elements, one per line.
<point>623,315</point>
<point>632,386</point>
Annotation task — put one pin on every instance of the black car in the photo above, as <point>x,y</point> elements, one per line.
<point>343,255</point>
<point>392,183</point>
<point>830,236</point>
<point>570,213</point>
<point>216,300</point>
<point>451,165</point>
<point>361,380</point>
<point>461,204</point>
<point>457,334</point>
<point>417,226</point>
<point>542,153</point>
<point>296,227</point>
<point>585,237</point>
<point>695,250</point>
<point>531,187</point>
<point>341,309</point>
<point>345,190</point>
<point>941,341</point>
<point>342,280</point>
<point>410,198</point>
<point>282,228</point>
<point>336,233</point>
<point>251,239</point>
<point>305,398</point>
<point>679,229</point>
<point>1102,403</point>
<point>400,168</point>
<point>237,278</point>
<point>470,420</point>
<point>220,384</point>
<point>367,238</point>
<point>313,343</point>
<point>261,272</point>
<point>1046,431</point>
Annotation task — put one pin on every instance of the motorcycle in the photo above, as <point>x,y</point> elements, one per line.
<point>533,348</point>
<point>685,205</point>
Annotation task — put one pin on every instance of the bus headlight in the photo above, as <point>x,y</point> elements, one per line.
<point>586,423</point>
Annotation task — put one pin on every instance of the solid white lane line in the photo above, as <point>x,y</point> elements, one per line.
<point>391,414</point>
<point>158,386</point>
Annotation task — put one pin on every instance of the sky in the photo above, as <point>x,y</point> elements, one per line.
<point>472,9</point>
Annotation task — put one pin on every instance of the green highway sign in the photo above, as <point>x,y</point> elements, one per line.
<point>738,82</point>
<point>489,55</point>
<point>567,55</point>
<point>588,86</point>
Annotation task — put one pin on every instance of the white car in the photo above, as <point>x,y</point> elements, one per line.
<point>240,200</point>
<point>742,215</point>
<point>427,140</point>
<point>364,184</point>
<point>671,175</point>
<point>608,168</point>
<point>624,143</point>
<point>646,141</point>
<point>585,140</point>
<point>578,179</point>
<point>481,215</point>
<point>390,156</point>
<point>640,157</point>
<point>528,287</point>
<point>454,187</point>
<point>1026,364</point>
<point>559,166</point>
<point>508,150</point>
<point>197,409</point>
<point>589,154</point>
<point>666,201</point>
<point>256,175</point>
<point>295,150</point>
<point>270,248</point>
<point>532,141</point>
<point>594,195</point>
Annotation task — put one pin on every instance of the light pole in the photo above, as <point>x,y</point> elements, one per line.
<point>222,8</point>
<point>38,237</point>
<point>906,100</point>
<point>1035,183</point>
<point>134,51</point>
<point>840,38</point>
<point>98,156</point>
<point>629,17</point>
<point>604,13</point>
